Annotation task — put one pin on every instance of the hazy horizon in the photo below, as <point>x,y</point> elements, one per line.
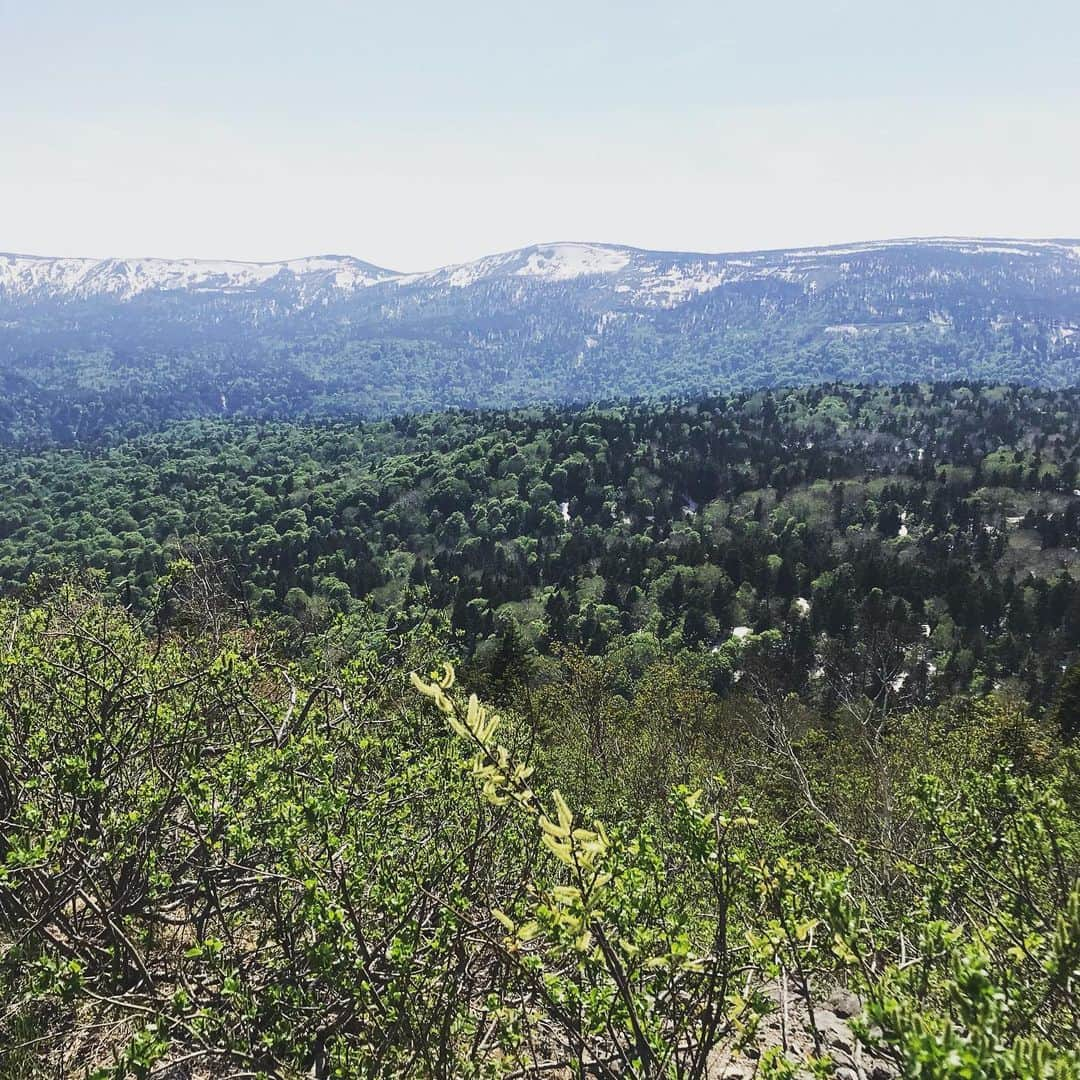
<point>424,137</point>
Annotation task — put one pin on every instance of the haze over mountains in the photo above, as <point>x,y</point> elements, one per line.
<point>552,322</point>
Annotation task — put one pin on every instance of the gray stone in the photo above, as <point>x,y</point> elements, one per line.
<point>833,1030</point>
<point>844,1003</point>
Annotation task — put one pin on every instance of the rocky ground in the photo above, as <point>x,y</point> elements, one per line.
<point>790,1029</point>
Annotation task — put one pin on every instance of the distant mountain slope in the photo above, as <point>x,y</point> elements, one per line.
<point>629,275</point>
<point>88,344</point>
<point>34,279</point>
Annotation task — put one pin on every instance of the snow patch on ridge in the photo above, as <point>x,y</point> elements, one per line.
<point>546,262</point>
<point>27,275</point>
<point>562,262</point>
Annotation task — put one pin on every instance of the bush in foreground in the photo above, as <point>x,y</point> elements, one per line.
<point>214,862</point>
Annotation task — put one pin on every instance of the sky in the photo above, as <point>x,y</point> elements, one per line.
<point>419,134</point>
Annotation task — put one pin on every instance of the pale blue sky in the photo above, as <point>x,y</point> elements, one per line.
<point>419,134</point>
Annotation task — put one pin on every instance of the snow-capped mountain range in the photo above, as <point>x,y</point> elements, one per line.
<point>650,278</point>
<point>87,345</point>
<point>35,277</point>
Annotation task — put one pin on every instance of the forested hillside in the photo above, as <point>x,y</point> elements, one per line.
<point>783,784</point>
<point>95,349</point>
<point>937,524</point>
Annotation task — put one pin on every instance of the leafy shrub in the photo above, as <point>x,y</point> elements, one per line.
<point>215,861</point>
